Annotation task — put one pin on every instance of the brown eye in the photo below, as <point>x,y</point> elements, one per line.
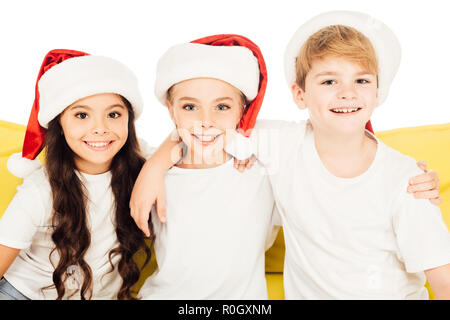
<point>81,115</point>
<point>114,115</point>
<point>362,81</point>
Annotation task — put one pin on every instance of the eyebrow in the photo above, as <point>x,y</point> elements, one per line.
<point>325,73</point>
<point>332,73</point>
<point>82,106</point>
<point>188,99</point>
<point>196,100</point>
<point>223,98</point>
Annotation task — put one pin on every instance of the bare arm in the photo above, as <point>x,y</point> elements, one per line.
<point>149,187</point>
<point>439,279</point>
<point>7,256</point>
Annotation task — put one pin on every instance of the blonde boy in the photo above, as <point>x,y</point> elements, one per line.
<point>350,229</point>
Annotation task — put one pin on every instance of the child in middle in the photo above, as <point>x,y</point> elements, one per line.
<point>212,245</point>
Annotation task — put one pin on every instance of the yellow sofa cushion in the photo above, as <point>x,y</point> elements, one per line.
<point>430,143</point>
<point>11,140</point>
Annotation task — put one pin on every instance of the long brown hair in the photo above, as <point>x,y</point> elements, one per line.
<point>71,234</point>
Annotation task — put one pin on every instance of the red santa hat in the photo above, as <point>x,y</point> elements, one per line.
<point>228,57</point>
<point>386,45</point>
<point>66,76</point>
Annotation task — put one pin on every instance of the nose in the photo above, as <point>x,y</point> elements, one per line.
<point>347,92</point>
<point>99,127</point>
<point>206,119</point>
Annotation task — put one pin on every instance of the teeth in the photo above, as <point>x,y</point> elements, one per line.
<point>344,110</point>
<point>205,138</point>
<point>97,144</point>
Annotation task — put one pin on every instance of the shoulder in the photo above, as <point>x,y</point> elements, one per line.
<point>36,182</point>
<point>401,163</point>
<point>281,132</point>
<point>32,202</point>
<point>35,192</point>
<point>398,168</point>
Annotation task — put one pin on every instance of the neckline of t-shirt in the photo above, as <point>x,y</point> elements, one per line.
<point>310,139</point>
<point>178,170</point>
<point>94,177</point>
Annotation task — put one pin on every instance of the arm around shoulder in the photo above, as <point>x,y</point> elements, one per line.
<point>149,188</point>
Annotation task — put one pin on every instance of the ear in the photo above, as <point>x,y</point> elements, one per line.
<point>298,94</point>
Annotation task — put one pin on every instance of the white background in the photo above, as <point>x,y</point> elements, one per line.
<point>138,32</point>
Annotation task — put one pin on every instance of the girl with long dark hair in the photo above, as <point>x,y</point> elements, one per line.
<point>68,234</point>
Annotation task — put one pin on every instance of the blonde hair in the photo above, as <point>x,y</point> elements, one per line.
<point>335,41</point>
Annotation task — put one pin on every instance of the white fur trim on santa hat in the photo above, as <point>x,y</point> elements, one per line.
<point>80,77</point>
<point>384,41</point>
<point>233,64</point>
<point>22,167</point>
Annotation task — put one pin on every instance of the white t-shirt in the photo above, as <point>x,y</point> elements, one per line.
<point>358,238</point>
<point>213,243</point>
<point>26,225</point>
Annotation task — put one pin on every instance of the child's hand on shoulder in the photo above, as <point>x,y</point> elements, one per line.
<point>241,165</point>
<point>426,185</point>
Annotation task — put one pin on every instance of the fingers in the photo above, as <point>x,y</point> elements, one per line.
<point>426,186</point>
<point>251,162</point>
<point>422,164</point>
<point>161,208</point>
<point>142,223</point>
<point>429,189</point>
<point>425,177</point>
<point>240,164</point>
<point>427,194</point>
<point>141,220</point>
<point>436,201</point>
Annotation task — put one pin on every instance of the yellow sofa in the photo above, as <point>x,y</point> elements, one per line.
<point>430,143</point>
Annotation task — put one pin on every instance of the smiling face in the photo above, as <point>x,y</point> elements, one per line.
<point>339,94</point>
<point>206,113</point>
<point>95,128</point>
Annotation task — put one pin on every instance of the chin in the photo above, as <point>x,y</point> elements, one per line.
<point>209,156</point>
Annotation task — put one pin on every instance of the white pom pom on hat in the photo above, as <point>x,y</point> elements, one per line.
<point>386,45</point>
<point>22,167</point>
